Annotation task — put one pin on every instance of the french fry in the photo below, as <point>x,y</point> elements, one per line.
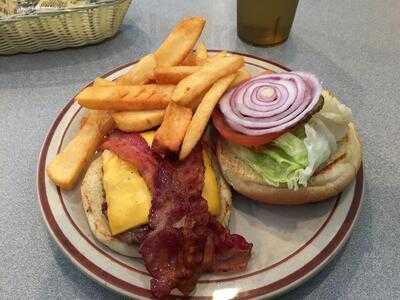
<point>190,60</point>
<point>103,82</point>
<point>102,119</point>
<point>97,82</point>
<point>169,135</point>
<point>201,54</point>
<point>203,113</point>
<point>172,75</point>
<point>179,42</point>
<point>192,86</point>
<point>195,103</point>
<point>68,165</point>
<point>242,76</point>
<point>219,55</point>
<point>137,121</point>
<point>135,97</point>
<point>139,73</point>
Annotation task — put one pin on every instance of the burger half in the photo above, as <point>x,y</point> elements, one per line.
<point>117,199</point>
<point>285,140</point>
<point>169,212</point>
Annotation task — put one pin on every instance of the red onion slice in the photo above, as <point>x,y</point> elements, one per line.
<point>270,102</point>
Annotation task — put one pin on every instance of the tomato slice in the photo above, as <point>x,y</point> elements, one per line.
<point>239,138</point>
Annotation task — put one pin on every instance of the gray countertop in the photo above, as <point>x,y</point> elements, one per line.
<point>353,45</point>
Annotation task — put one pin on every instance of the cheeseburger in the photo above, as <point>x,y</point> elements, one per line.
<point>117,199</point>
<point>169,212</point>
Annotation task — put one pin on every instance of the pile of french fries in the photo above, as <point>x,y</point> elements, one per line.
<point>175,89</point>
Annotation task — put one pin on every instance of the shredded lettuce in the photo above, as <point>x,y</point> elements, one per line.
<point>292,159</point>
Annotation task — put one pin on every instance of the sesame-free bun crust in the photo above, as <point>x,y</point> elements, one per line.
<point>93,196</point>
<point>329,181</point>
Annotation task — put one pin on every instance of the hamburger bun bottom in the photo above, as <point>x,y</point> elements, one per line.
<point>327,182</point>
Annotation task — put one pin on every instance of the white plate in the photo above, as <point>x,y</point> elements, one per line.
<point>291,244</point>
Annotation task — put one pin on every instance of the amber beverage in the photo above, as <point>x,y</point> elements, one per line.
<point>265,22</point>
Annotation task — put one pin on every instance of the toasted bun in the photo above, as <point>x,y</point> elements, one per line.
<point>328,181</point>
<point>93,197</point>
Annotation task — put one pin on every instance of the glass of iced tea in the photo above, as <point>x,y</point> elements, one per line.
<point>265,22</point>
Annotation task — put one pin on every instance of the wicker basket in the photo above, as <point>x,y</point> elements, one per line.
<point>61,28</point>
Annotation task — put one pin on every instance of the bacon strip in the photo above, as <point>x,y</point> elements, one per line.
<point>133,148</point>
<point>186,240</point>
<point>182,240</point>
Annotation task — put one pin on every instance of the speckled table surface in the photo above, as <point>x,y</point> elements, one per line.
<point>353,45</point>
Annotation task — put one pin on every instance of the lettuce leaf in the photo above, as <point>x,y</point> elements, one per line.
<point>320,144</point>
<point>293,147</point>
<point>335,115</point>
<point>278,163</point>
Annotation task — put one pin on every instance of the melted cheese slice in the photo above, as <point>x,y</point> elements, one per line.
<point>210,187</point>
<point>128,197</point>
